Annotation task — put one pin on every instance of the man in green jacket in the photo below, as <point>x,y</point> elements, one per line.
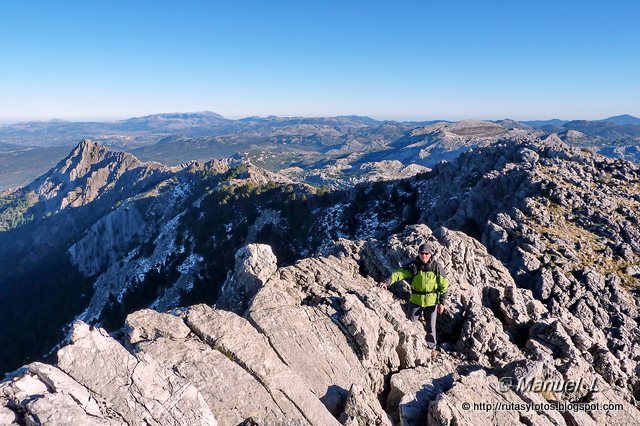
<point>428,288</point>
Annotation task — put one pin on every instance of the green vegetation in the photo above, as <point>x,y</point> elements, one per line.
<point>237,171</point>
<point>226,353</point>
<point>390,202</point>
<point>222,223</point>
<point>13,209</point>
<point>142,294</point>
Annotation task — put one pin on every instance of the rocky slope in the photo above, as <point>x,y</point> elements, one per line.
<point>69,225</point>
<point>561,222</point>
<point>615,137</point>
<point>445,141</point>
<point>411,153</point>
<point>318,343</point>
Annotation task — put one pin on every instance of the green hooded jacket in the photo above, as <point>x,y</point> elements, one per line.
<point>428,286</point>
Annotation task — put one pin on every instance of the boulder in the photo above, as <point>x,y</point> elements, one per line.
<point>255,263</point>
<point>363,409</point>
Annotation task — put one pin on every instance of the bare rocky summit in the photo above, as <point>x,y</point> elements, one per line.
<point>319,343</point>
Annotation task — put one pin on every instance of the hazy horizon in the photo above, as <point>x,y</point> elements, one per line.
<point>418,119</point>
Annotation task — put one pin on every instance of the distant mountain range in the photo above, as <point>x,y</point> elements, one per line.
<point>618,119</point>
<point>141,131</point>
<point>29,149</point>
<point>144,131</point>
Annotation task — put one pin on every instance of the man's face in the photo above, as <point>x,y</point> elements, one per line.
<point>424,256</point>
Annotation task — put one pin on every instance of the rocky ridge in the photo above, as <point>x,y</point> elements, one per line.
<point>560,221</point>
<point>415,152</point>
<point>445,141</point>
<point>157,229</point>
<point>370,365</point>
<point>90,174</point>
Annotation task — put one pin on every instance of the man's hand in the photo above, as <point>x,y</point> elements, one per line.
<point>382,285</point>
<point>440,309</point>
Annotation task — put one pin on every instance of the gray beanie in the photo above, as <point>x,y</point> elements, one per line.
<point>427,247</point>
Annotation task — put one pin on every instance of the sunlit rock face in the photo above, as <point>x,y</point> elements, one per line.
<point>317,342</point>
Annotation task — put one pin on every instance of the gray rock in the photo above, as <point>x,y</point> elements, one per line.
<point>412,390</point>
<point>231,392</point>
<point>295,332</point>
<point>51,397</point>
<point>59,382</point>
<point>528,156</point>
<point>234,335</point>
<point>363,409</point>
<point>544,284</point>
<point>148,325</point>
<point>255,263</point>
<point>138,388</point>
<point>484,404</point>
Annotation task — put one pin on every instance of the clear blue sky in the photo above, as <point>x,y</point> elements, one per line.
<point>386,59</point>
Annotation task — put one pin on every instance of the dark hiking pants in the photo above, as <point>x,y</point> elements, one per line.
<point>430,315</point>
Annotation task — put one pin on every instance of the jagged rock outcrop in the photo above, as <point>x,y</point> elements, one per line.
<point>115,231</point>
<point>362,408</point>
<point>255,264</point>
<point>571,135</point>
<point>89,172</point>
<point>319,343</point>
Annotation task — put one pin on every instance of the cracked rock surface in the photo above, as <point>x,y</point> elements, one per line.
<point>319,343</point>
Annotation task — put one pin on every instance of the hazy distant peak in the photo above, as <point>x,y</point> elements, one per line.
<point>179,116</point>
<point>541,123</point>
<point>341,120</point>
<point>512,124</point>
<point>362,118</point>
<point>623,119</point>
